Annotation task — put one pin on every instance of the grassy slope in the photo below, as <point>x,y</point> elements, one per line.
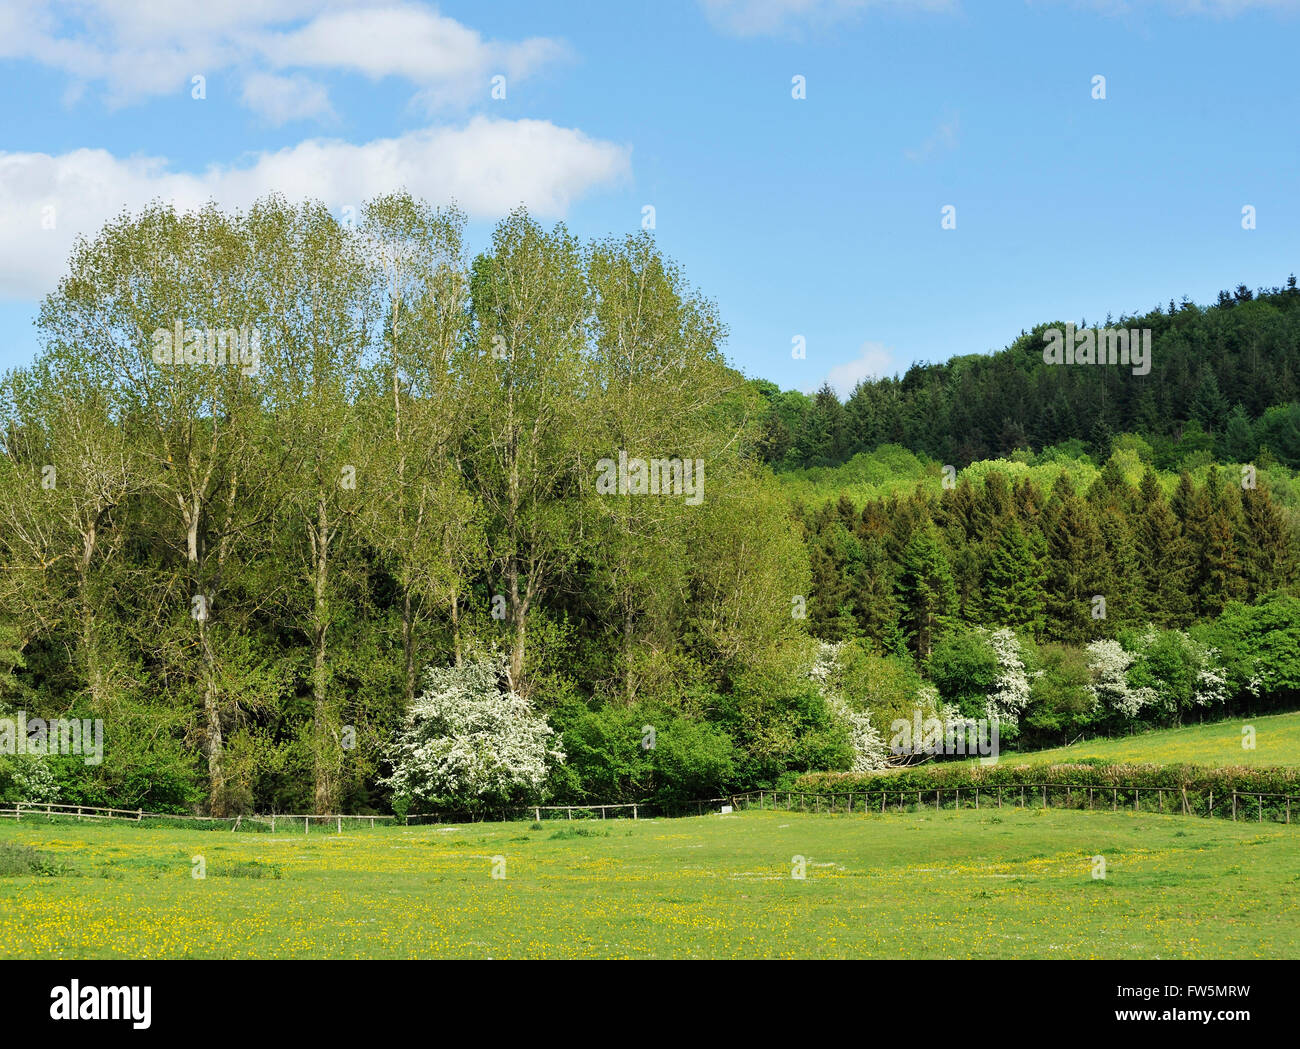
<point>954,884</point>
<point>1277,742</point>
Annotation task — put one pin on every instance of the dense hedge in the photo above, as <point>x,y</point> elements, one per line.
<point>1260,793</point>
<point>950,775</point>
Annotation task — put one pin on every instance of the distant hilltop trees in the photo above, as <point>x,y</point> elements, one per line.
<point>1224,378</point>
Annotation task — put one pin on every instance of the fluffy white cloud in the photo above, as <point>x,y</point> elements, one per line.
<point>137,49</point>
<point>873,361</point>
<point>488,166</point>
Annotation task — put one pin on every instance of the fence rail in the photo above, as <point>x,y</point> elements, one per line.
<point>1236,804</point>
<point>1230,804</point>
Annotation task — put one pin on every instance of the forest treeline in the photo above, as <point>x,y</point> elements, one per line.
<point>268,468</point>
<point>321,517</point>
<point>1057,565</point>
<point>1224,382</point>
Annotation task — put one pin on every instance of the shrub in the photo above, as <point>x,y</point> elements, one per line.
<point>470,743</point>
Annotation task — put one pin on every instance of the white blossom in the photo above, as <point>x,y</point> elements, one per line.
<point>1109,664</point>
<point>1010,693</point>
<point>469,740</point>
<point>870,753</point>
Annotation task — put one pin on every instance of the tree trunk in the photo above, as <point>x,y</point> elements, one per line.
<point>455,626</point>
<point>212,715</point>
<point>518,616</point>
<point>408,646</point>
<point>324,749</point>
<point>94,678</point>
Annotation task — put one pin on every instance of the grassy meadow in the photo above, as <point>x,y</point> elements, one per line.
<point>1009,884</point>
<point>1277,743</point>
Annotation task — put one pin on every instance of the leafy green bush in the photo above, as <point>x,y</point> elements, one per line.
<point>622,754</point>
<point>964,668</point>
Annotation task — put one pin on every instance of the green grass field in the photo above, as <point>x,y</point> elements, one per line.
<point>1277,742</point>
<point>914,885</point>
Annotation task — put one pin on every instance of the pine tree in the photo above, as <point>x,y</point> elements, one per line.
<point>1209,406</point>
<point>1166,560</point>
<point>1267,559</point>
<point>926,593</point>
<point>1013,586</point>
<point>1076,569</point>
<point>1238,442</point>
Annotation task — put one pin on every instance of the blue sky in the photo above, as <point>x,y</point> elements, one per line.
<point>817,217</point>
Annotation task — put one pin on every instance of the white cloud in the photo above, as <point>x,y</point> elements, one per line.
<point>788,17</point>
<point>873,361</point>
<point>450,62</point>
<point>488,166</point>
<point>943,139</point>
<point>280,99</point>
<point>781,17</point>
<point>1213,8</point>
<point>137,49</point>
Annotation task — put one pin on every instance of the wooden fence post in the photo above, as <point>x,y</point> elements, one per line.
<point>1234,804</point>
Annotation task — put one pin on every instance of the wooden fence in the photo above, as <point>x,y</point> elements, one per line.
<point>1233,804</point>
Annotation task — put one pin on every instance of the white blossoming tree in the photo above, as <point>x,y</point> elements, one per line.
<point>1010,693</point>
<point>1109,665</point>
<point>470,743</point>
<point>870,754</point>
